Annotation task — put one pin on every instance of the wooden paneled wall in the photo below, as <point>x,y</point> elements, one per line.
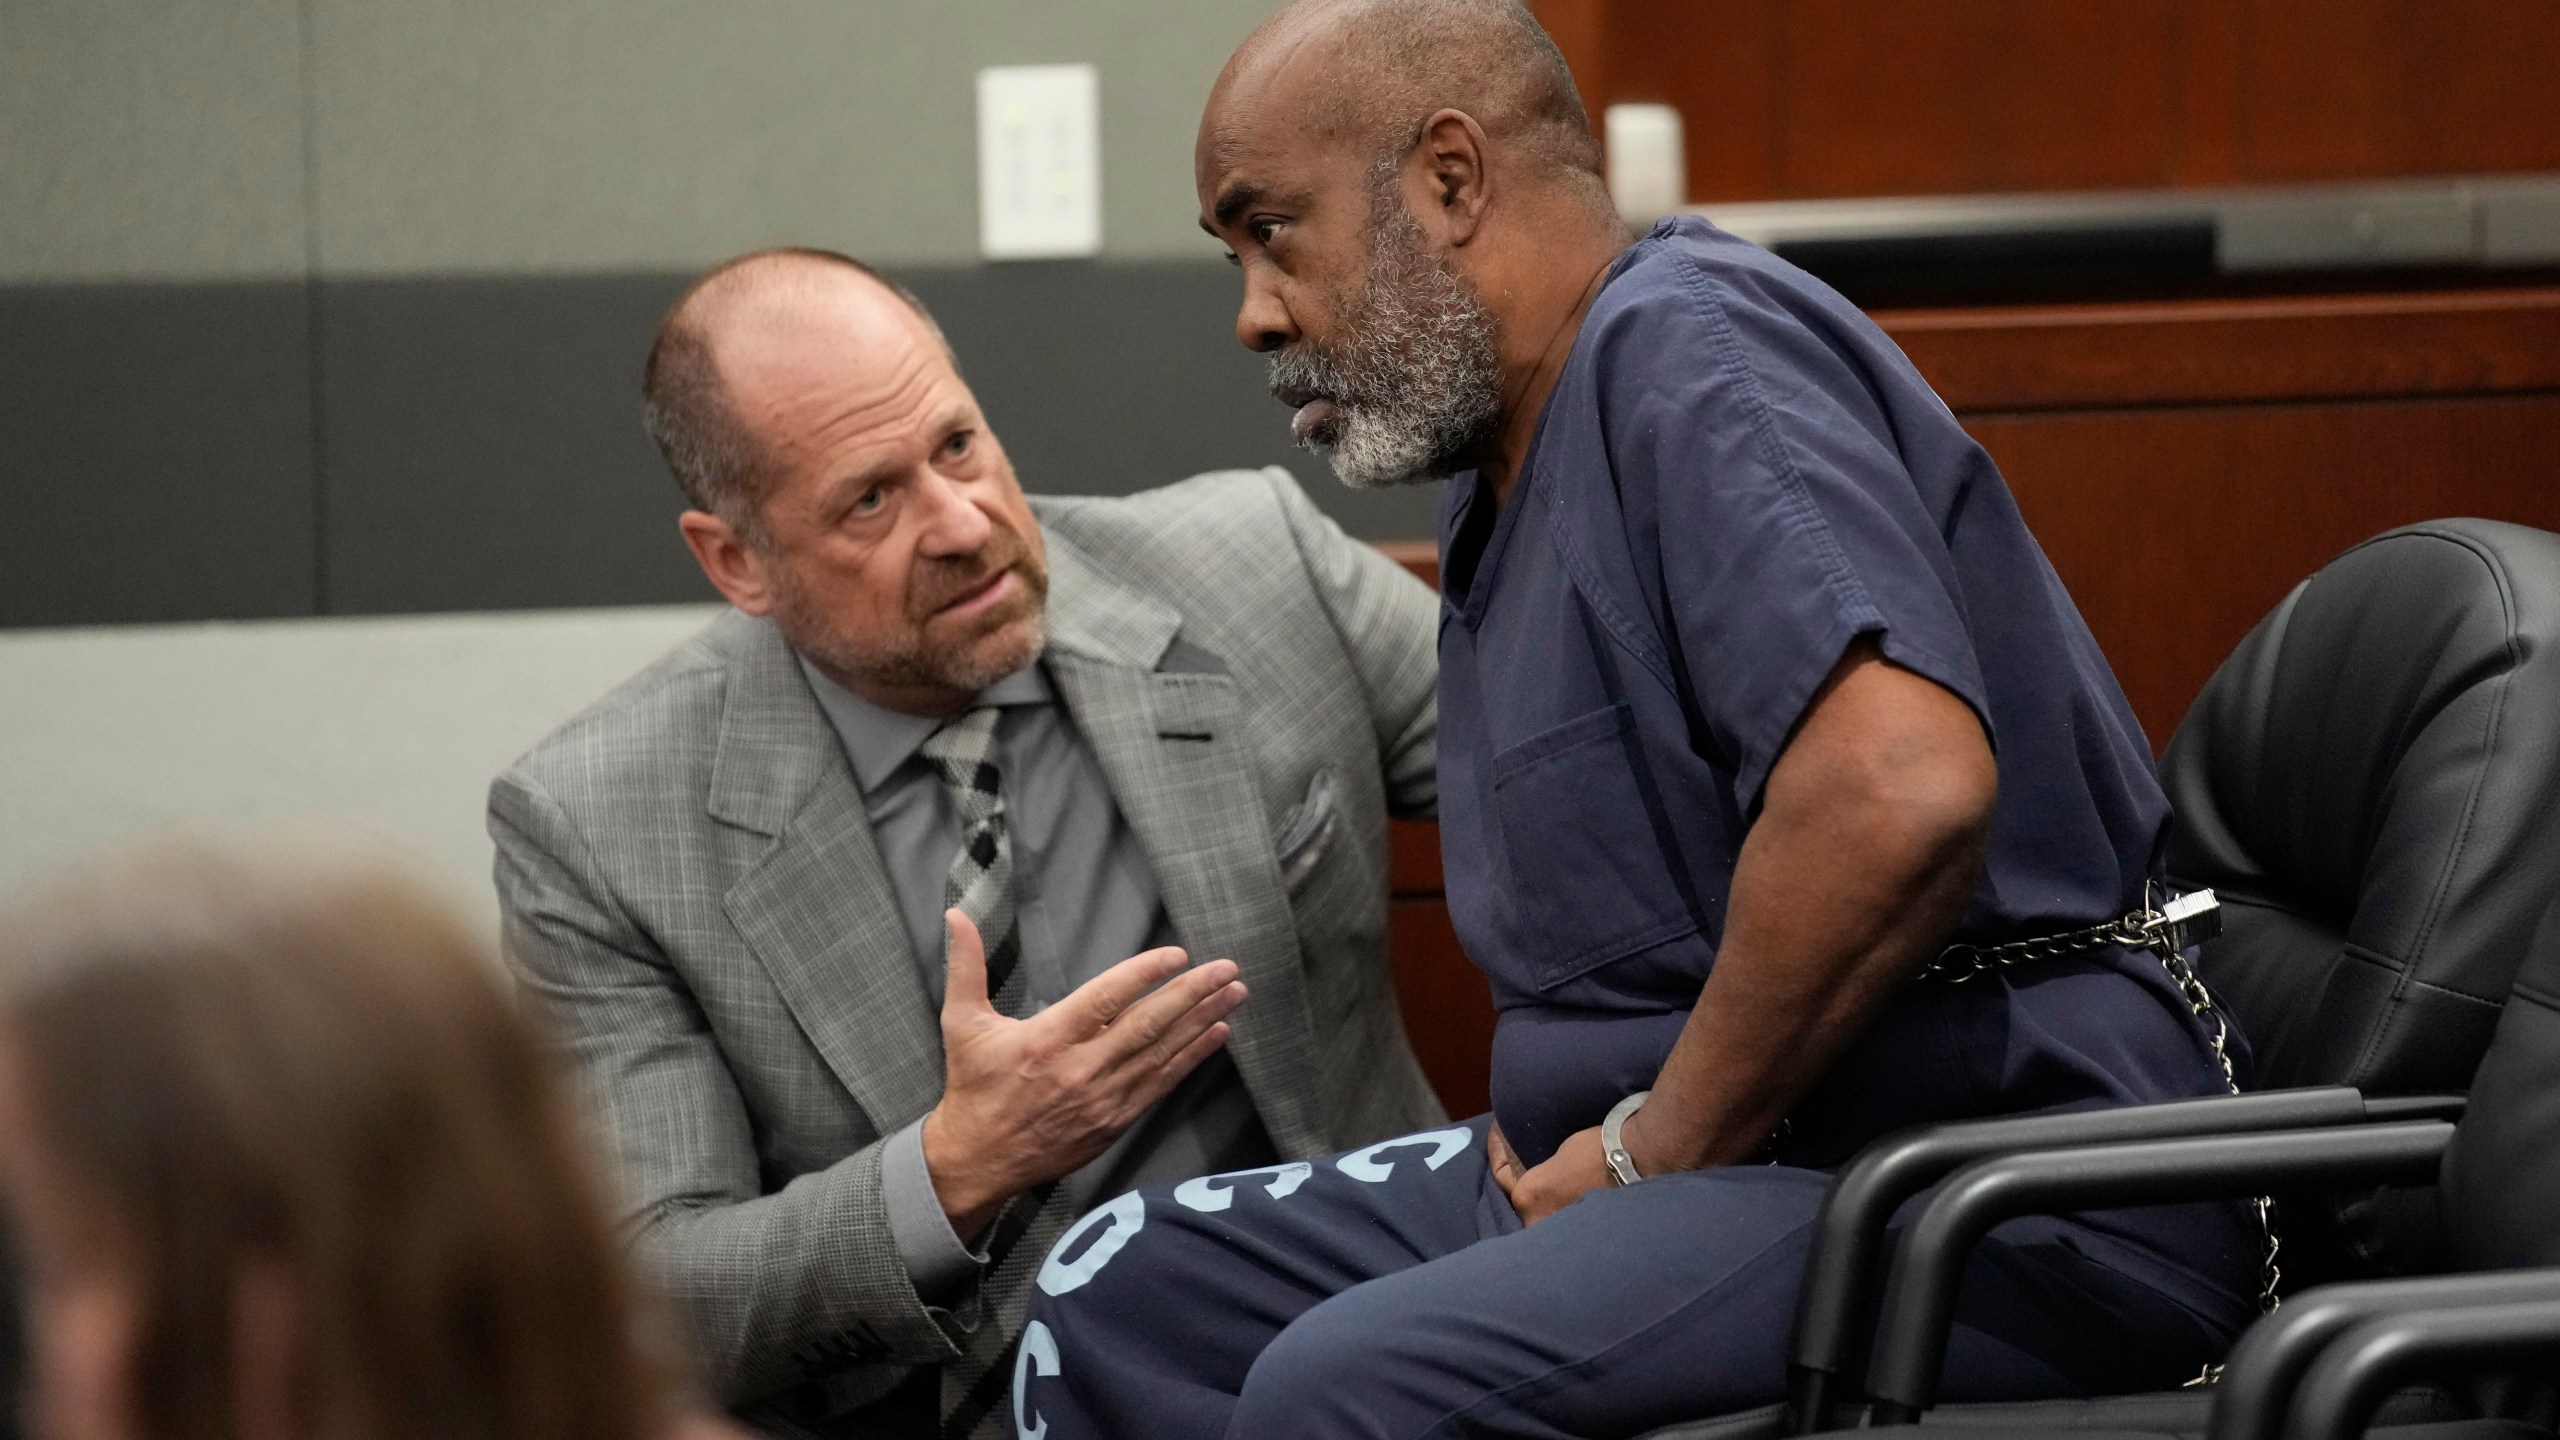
<point>1792,99</point>
<point>2183,464</point>
<point>1448,1011</point>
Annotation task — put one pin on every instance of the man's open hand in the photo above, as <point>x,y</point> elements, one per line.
<point>1538,1191</point>
<point>1027,1101</point>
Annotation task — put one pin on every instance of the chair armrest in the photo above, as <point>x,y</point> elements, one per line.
<point>1836,1310</point>
<point>2448,1106</point>
<point>1920,1293</point>
<point>2361,1368</point>
<point>2268,1363</point>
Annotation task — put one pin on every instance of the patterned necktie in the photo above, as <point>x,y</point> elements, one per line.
<point>981,886</point>
<point>981,879</point>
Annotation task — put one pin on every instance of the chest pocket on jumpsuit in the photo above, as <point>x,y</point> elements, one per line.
<point>1587,865</point>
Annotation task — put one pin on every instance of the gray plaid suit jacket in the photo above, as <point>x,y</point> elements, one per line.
<point>690,886</point>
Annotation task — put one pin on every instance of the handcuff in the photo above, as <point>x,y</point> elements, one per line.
<point>2179,922</point>
<point>1613,1139</point>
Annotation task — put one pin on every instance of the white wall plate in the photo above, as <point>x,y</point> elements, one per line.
<point>1039,162</point>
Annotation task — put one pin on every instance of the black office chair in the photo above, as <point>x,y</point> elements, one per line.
<point>2482,1343</point>
<point>2370,784</point>
<point>2368,780</point>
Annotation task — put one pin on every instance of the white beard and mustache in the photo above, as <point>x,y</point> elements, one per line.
<point>1415,380</point>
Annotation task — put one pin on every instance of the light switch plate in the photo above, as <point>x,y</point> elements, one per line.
<point>1039,162</point>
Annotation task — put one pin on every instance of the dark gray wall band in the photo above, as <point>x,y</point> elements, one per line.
<point>155,453</point>
<point>476,442</point>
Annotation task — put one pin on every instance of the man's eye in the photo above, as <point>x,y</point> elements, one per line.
<point>1234,259</point>
<point>957,445</point>
<point>870,500</point>
<point>1261,230</point>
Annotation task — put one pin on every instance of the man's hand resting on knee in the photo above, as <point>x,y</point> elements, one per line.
<point>1027,1101</point>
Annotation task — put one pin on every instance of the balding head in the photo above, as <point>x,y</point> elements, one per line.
<point>717,459</point>
<point>1364,74</point>
<point>844,481</point>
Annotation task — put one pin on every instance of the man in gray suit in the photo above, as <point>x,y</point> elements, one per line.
<point>1048,750</point>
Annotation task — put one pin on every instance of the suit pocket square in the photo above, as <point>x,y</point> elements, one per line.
<point>1306,830</point>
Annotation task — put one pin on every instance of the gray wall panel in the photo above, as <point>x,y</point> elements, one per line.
<point>1109,378</point>
<point>483,445</point>
<point>150,140</point>
<point>503,136</point>
<point>155,453</point>
<point>240,139</point>
<point>479,439</point>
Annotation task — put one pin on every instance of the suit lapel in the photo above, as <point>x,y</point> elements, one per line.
<point>817,907</point>
<point>1172,744</point>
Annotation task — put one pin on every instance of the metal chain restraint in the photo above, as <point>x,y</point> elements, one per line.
<point>2166,929</point>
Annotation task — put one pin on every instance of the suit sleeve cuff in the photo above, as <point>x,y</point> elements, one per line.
<point>940,1266</point>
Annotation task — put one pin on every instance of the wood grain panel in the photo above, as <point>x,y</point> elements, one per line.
<point>1448,1012</point>
<point>1413,858</point>
<point>1721,52</point>
<point>2207,72</point>
<point>1422,557</point>
<point>1938,96</point>
<point>2323,347</point>
<point>1581,30</point>
<point>1790,99</point>
<point>2177,529</point>
<point>2351,88</point>
<point>1413,846</point>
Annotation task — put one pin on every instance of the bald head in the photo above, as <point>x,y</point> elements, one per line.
<point>738,314</point>
<point>1366,73</point>
<point>1412,195</point>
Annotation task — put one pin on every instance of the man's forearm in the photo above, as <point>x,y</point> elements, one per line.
<point>1803,968</point>
<point>1856,872</point>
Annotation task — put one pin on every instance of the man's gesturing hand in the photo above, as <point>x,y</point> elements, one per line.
<point>1025,1101</point>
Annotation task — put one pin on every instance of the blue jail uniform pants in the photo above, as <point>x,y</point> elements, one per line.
<point>1392,1293</point>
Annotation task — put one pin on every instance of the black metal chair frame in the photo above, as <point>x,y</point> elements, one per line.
<point>1844,1290</point>
<point>2326,1360</point>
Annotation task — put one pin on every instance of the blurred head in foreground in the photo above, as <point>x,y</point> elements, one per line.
<point>281,1159</point>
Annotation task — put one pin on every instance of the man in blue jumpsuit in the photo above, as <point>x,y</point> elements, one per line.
<point>1755,695</point>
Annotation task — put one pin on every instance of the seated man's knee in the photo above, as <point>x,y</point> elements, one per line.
<point>1326,1372</point>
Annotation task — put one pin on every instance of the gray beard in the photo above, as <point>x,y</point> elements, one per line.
<point>910,664</point>
<point>1415,379</point>
<point>916,667</point>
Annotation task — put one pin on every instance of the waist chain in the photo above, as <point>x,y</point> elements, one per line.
<point>2166,929</point>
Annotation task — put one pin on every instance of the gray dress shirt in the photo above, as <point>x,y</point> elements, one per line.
<point>1085,899</point>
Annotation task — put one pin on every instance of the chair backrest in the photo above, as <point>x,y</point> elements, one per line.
<point>2372,783</point>
<point>2502,1176</point>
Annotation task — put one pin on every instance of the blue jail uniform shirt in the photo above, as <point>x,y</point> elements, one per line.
<point>1736,477</point>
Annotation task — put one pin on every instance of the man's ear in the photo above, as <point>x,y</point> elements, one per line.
<point>735,568</point>
<point>1453,152</point>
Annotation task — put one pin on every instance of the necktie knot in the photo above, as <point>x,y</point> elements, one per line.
<point>964,751</point>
